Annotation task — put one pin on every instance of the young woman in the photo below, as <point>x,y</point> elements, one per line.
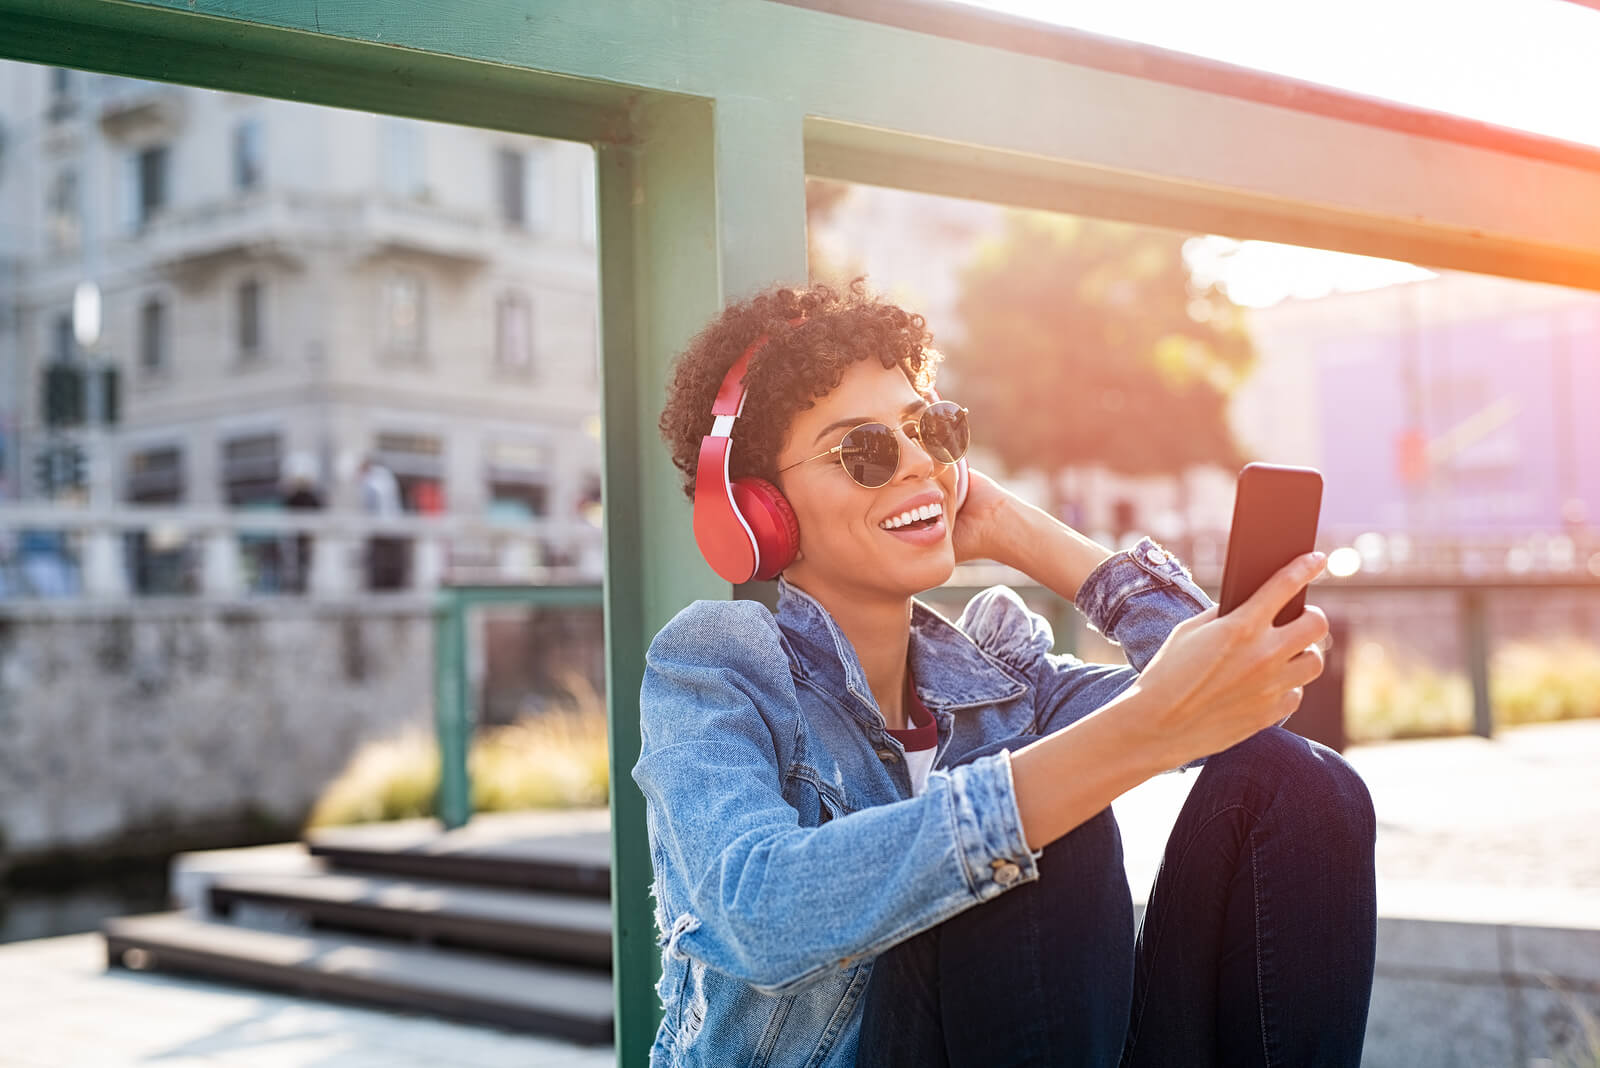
<point>881,837</point>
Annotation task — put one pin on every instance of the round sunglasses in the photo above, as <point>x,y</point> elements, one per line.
<point>870,453</point>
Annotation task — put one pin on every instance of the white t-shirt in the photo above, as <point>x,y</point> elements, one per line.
<point>920,739</point>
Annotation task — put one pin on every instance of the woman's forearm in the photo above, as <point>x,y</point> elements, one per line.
<point>1069,776</point>
<point>1048,551</point>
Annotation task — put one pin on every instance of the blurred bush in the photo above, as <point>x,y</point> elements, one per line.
<point>557,759</point>
<point>1391,695</point>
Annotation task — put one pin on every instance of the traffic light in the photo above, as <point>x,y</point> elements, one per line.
<point>110,395</point>
<point>77,464</point>
<point>64,400</point>
<point>44,473</point>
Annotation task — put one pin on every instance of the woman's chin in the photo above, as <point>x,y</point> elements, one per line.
<point>931,566</point>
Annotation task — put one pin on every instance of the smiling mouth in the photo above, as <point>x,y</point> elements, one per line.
<point>916,519</point>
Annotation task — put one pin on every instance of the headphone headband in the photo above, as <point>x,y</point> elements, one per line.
<point>740,539</point>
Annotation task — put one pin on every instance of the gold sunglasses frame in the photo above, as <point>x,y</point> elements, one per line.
<point>917,422</point>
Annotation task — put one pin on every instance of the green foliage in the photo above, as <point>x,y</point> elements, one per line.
<point>557,759</point>
<point>1388,695</point>
<point>1088,342</point>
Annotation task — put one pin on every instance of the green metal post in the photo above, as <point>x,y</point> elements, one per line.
<point>1475,642</point>
<point>452,716</point>
<point>706,205</point>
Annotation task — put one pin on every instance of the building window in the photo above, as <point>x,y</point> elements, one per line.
<point>155,476</point>
<point>417,463</point>
<point>512,173</point>
<point>514,333</point>
<point>149,183</point>
<point>249,156</point>
<point>249,317</point>
<point>251,470</point>
<point>153,335</point>
<point>64,212</point>
<point>400,161</point>
<point>63,346</point>
<point>400,308</point>
<point>517,480</point>
<point>63,95</point>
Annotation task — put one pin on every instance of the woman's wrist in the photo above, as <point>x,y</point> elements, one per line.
<point>1066,777</point>
<point>1047,550</point>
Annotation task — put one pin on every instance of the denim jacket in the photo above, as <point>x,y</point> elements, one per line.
<point>787,848</point>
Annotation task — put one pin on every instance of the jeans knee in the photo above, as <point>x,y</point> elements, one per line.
<point>1333,786</point>
<point>1354,799</point>
<point>1316,779</point>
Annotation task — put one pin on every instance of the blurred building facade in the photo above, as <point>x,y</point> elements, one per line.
<point>1458,407</point>
<point>1448,410</point>
<point>286,291</point>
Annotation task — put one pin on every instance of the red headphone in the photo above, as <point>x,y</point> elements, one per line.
<point>746,528</point>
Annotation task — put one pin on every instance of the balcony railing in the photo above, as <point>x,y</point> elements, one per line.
<point>54,552</point>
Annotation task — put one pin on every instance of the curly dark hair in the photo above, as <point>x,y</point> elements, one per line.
<point>797,365</point>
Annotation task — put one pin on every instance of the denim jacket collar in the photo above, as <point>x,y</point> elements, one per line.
<point>949,671</point>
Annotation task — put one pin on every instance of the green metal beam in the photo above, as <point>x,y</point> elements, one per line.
<point>1133,141</point>
<point>315,62</point>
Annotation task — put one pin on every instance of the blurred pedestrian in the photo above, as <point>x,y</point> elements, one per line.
<point>386,554</point>
<point>300,495</point>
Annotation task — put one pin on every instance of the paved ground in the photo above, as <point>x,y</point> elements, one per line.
<point>60,1008</point>
<point>1489,834</point>
<point>1515,816</point>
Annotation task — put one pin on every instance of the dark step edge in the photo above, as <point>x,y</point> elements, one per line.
<point>586,880</point>
<point>539,941</point>
<point>309,982</point>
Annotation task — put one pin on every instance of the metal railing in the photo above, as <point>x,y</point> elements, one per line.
<point>55,552</point>
<point>454,709</point>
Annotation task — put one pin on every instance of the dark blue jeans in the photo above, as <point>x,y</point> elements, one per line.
<point>1256,947</point>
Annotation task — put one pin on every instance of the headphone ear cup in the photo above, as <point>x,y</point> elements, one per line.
<point>772,520</point>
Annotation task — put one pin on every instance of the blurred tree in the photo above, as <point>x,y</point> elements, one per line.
<point>823,198</point>
<point>1087,342</point>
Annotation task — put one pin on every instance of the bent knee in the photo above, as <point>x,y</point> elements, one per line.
<point>1311,774</point>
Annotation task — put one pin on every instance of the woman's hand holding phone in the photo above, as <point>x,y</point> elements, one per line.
<point>1219,679</point>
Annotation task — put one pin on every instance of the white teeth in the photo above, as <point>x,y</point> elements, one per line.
<point>926,511</point>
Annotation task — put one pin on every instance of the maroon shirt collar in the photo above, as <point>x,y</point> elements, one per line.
<point>922,734</point>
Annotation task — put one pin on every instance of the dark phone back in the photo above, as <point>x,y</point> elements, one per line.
<point>1274,520</point>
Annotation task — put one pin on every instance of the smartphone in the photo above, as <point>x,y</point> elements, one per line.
<point>1274,520</point>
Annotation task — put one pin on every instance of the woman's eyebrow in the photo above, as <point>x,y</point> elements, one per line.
<point>855,421</point>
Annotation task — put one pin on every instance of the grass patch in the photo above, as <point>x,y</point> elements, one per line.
<point>557,759</point>
<point>1390,695</point>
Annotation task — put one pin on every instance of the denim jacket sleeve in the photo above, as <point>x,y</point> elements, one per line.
<point>1134,598</point>
<point>740,885</point>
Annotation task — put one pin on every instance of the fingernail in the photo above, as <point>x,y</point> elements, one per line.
<point>1317,558</point>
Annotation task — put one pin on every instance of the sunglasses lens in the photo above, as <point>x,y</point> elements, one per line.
<point>944,431</point>
<point>870,454</point>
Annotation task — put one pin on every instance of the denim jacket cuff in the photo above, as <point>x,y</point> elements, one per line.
<point>989,835</point>
<point>1106,593</point>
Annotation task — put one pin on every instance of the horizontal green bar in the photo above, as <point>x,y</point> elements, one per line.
<point>466,597</point>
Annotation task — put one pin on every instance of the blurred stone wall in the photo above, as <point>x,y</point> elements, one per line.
<point>161,721</point>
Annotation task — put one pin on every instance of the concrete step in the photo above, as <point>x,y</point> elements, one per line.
<point>562,852</point>
<point>572,1003</point>
<point>531,923</point>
